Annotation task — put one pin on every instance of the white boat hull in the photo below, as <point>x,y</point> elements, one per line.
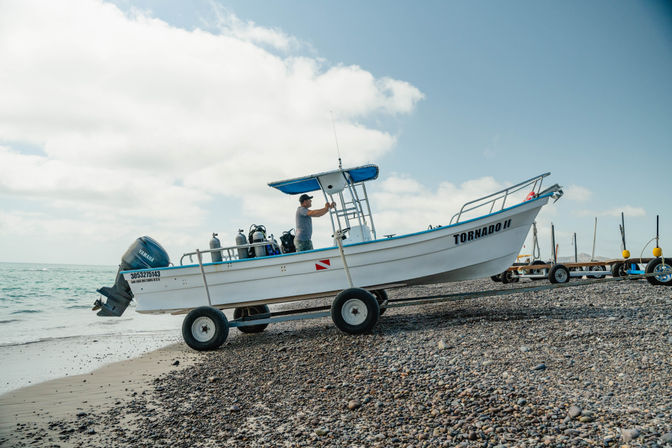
<point>473,249</point>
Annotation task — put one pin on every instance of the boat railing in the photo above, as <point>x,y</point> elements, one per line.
<point>231,251</point>
<point>503,195</point>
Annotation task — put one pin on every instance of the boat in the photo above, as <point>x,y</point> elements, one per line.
<point>359,260</point>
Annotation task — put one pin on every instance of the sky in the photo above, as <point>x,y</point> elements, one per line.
<point>165,118</point>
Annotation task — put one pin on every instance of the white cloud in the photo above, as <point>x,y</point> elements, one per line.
<point>229,24</point>
<point>628,210</point>
<point>577,193</point>
<point>140,120</point>
<point>408,206</point>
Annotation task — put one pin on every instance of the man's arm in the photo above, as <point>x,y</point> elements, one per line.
<point>321,211</point>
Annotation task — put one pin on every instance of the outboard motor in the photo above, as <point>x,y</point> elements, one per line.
<point>144,253</point>
<point>215,244</point>
<point>241,241</point>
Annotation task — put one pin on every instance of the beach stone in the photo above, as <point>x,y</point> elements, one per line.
<point>442,345</point>
<point>541,366</point>
<point>667,438</point>
<point>176,363</point>
<point>574,411</point>
<point>213,379</point>
<point>354,404</point>
<point>628,435</point>
<point>417,396</point>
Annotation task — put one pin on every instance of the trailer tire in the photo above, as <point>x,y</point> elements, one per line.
<point>657,265</point>
<point>355,311</point>
<point>558,274</point>
<point>595,269</point>
<point>509,277</point>
<point>205,328</point>
<point>616,269</point>
<point>538,271</point>
<point>496,278</point>
<point>261,311</point>
<point>381,297</point>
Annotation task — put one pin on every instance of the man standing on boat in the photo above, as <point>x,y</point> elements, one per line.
<point>304,222</point>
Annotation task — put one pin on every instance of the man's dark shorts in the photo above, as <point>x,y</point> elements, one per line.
<point>303,245</point>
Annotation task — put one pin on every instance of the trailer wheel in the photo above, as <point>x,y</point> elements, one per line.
<point>205,328</point>
<point>355,311</point>
<point>538,271</point>
<point>496,278</point>
<point>509,277</point>
<point>655,266</point>
<point>616,269</point>
<point>558,274</point>
<point>259,311</point>
<point>595,269</point>
<point>381,297</point>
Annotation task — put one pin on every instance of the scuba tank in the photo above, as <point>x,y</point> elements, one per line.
<point>215,244</point>
<point>241,241</point>
<point>257,234</point>
<point>259,237</point>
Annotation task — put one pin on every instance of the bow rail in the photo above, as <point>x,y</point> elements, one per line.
<point>491,199</point>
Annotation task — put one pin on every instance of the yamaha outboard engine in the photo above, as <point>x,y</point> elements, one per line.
<point>144,253</point>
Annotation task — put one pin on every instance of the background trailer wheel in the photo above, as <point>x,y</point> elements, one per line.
<point>596,269</point>
<point>655,266</point>
<point>381,297</point>
<point>205,328</point>
<point>543,272</point>
<point>496,278</point>
<point>617,269</point>
<point>258,312</point>
<point>558,274</point>
<point>355,311</point>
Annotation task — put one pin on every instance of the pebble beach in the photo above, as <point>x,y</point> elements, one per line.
<point>583,366</point>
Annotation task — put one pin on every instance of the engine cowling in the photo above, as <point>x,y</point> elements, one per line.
<point>144,253</point>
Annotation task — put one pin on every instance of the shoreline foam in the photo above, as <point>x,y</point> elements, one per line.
<point>33,362</point>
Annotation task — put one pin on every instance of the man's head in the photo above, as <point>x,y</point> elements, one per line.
<point>305,200</point>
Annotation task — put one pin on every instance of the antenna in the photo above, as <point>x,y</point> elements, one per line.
<point>338,150</point>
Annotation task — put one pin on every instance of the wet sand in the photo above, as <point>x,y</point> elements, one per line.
<point>31,415</point>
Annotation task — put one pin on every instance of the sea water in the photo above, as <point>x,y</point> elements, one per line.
<point>46,317</point>
<point>50,301</point>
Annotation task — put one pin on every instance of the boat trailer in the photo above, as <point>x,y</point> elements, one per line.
<point>326,310</point>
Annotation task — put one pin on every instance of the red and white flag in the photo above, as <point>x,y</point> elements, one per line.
<point>322,264</point>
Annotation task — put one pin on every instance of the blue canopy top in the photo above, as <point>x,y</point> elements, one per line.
<point>310,183</point>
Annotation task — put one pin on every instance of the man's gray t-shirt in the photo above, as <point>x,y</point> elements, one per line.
<point>304,224</point>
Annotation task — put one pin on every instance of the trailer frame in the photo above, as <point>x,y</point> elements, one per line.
<point>324,311</point>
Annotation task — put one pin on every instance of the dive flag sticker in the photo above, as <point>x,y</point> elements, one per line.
<point>322,264</point>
